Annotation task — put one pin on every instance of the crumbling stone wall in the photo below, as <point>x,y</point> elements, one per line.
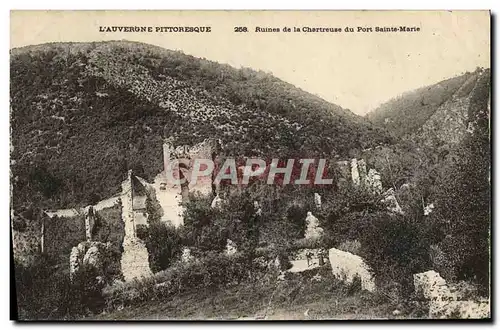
<point>208,149</point>
<point>171,195</point>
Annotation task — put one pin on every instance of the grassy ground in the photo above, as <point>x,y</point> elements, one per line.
<point>297,298</point>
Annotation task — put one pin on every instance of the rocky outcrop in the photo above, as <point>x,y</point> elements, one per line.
<point>76,258</point>
<point>216,202</point>
<point>445,302</point>
<point>357,173</point>
<point>347,266</point>
<point>362,169</point>
<point>354,172</point>
<point>90,254</point>
<point>452,121</point>
<point>95,255</point>
<point>373,181</point>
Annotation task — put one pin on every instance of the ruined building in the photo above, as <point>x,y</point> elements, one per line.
<point>355,171</point>
<point>169,194</point>
<point>178,164</point>
<point>165,196</point>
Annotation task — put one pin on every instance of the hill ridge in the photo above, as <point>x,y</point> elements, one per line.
<point>405,115</point>
<point>449,123</point>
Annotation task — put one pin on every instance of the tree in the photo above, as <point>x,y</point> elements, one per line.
<point>464,198</point>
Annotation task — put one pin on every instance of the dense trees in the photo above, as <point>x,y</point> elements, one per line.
<point>464,194</point>
<point>454,176</point>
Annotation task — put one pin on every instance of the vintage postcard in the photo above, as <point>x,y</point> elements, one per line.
<point>250,165</point>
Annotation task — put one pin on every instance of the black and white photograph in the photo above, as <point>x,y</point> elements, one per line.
<point>250,165</point>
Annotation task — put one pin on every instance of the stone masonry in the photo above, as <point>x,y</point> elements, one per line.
<point>135,259</point>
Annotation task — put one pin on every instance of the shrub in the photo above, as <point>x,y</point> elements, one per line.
<point>395,247</point>
<point>211,271</point>
<point>86,291</point>
<point>202,226</point>
<point>163,242</point>
<point>346,213</point>
<point>351,246</point>
<point>44,292</point>
<point>442,263</point>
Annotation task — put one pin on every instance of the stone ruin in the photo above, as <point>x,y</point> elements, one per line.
<point>135,257</point>
<point>170,197</point>
<point>186,155</point>
<point>313,229</point>
<point>317,200</point>
<point>178,162</point>
<point>446,302</point>
<point>90,220</point>
<point>347,266</point>
<point>356,172</point>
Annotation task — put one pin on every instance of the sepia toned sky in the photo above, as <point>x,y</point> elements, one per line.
<point>357,71</point>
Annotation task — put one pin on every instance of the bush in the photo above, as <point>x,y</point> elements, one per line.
<point>346,213</point>
<point>163,242</point>
<point>86,290</point>
<point>396,247</point>
<point>463,208</point>
<point>213,270</point>
<point>350,246</point>
<point>202,230</point>
<point>44,292</point>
